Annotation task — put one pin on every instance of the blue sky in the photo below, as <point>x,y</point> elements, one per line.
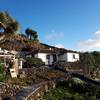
<point>73,24</point>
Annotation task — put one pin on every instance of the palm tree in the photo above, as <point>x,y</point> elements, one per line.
<point>12,26</point>
<point>27,31</point>
<point>31,34</point>
<point>35,36</point>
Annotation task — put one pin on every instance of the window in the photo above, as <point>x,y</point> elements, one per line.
<point>48,56</point>
<point>54,57</point>
<point>73,56</point>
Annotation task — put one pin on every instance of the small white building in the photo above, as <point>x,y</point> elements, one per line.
<point>51,56</point>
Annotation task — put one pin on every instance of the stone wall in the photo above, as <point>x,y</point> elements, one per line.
<point>41,89</point>
<point>8,90</point>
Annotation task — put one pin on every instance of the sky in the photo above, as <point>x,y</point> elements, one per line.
<point>72,24</point>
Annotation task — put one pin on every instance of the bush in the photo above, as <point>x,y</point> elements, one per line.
<point>78,91</point>
<point>1,68</point>
<point>1,77</point>
<point>36,62</point>
<point>1,71</point>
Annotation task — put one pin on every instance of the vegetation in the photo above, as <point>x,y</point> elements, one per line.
<point>33,62</point>
<point>35,76</point>
<point>11,41</point>
<point>73,90</point>
<point>31,34</point>
<point>10,25</point>
<point>91,59</point>
<point>1,71</point>
<point>18,43</point>
<point>91,63</point>
<point>68,65</point>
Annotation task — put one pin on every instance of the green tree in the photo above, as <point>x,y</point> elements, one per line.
<point>97,58</point>
<point>31,34</point>
<point>33,62</point>
<point>88,60</point>
<point>11,25</point>
<point>1,71</point>
<point>27,31</point>
<point>35,37</point>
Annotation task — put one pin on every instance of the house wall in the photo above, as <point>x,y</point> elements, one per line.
<point>63,57</point>
<point>51,60</point>
<point>16,65</point>
<point>43,56</point>
<point>69,57</point>
<point>20,64</point>
<point>3,51</point>
<point>13,73</point>
<point>72,57</point>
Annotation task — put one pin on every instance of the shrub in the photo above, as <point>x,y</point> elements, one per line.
<point>1,77</point>
<point>1,71</point>
<point>30,61</point>
<point>75,92</point>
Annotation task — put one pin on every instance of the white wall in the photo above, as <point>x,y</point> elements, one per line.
<point>68,57</point>
<point>16,65</point>
<point>51,60</point>
<point>71,58</point>
<point>42,56</point>
<point>13,73</point>
<point>20,65</point>
<point>3,51</point>
<point>63,57</point>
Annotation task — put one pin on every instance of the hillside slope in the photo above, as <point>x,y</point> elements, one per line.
<point>18,42</point>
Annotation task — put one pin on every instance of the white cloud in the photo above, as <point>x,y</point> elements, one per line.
<point>90,44</point>
<point>97,32</point>
<point>54,35</point>
<point>59,46</point>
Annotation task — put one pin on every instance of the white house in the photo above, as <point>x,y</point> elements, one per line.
<point>50,56</point>
<point>69,57</point>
